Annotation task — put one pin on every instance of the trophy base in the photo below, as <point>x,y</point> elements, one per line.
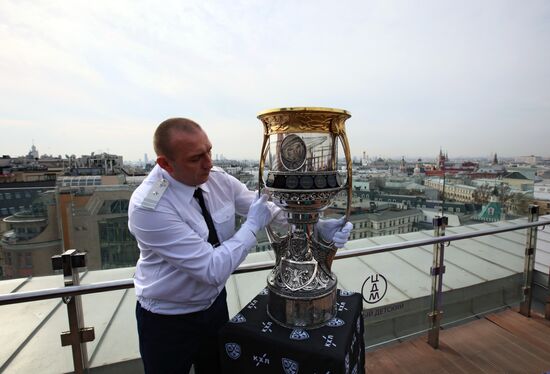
<point>301,312</point>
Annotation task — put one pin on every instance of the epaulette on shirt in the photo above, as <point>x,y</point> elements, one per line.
<point>155,194</point>
<point>217,169</point>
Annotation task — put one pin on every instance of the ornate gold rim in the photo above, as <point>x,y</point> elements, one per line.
<point>278,121</point>
<point>303,108</point>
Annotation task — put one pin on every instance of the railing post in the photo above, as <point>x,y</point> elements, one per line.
<point>547,308</point>
<point>436,271</point>
<point>69,262</point>
<point>529,264</point>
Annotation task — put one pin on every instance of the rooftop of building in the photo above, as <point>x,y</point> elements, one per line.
<point>481,274</point>
<point>385,214</point>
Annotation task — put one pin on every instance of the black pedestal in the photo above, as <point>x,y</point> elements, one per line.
<point>252,342</point>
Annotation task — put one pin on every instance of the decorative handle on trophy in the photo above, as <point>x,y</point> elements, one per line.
<point>349,184</point>
<point>263,155</point>
<point>271,234</point>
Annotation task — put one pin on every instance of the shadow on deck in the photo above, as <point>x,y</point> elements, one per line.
<point>504,342</point>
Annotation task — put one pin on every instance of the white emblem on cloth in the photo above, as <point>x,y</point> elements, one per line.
<point>336,322</point>
<point>233,350</point>
<point>239,318</point>
<point>267,326</point>
<point>261,359</point>
<point>341,306</point>
<point>329,341</point>
<point>346,293</point>
<point>299,334</point>
<point>290,366</point>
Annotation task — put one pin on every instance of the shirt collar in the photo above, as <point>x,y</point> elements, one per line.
<point>183,189</point>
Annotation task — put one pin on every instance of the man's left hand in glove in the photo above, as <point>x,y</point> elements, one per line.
<point>335,230</point>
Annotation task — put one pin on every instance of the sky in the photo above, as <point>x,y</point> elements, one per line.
<point>470,77</point>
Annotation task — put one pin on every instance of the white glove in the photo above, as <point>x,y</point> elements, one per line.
<point>258,215</point>
<point>335,230</point>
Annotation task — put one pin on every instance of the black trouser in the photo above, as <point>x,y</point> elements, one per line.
<point>171,343</point>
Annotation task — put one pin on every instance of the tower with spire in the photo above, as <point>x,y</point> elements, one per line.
<point>441,159</point>
<point>493,210</point>
<point>403,165</point>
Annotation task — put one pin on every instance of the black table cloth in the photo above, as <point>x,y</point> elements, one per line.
<point>252,343</point>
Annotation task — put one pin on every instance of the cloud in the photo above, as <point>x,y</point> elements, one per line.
<point>406,71</point>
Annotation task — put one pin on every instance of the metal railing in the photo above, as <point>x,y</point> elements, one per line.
<point>78,335</point>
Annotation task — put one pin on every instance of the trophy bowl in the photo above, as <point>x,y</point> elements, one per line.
<point>299,169</point>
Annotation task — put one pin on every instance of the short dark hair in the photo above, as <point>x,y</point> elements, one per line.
<point>161,139</point>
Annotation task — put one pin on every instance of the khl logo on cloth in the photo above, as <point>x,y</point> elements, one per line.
<point>233,350</point>
<point>290,366</point>
<point>299,334</point>
<point>239,318</point>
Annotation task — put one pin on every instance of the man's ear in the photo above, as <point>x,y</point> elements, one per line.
<point>163,162</point>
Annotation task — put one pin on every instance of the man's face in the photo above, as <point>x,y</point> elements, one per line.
<point>192,159</point>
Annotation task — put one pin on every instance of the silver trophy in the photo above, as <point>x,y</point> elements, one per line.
<point>299,169</point>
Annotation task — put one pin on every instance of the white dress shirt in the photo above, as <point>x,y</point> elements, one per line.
<point>178,271</point>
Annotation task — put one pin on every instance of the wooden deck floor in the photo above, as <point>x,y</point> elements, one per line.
<point>505,342</point>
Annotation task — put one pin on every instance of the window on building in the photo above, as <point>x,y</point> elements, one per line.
<point>27,260</point>
<point>114,206</point>
<point>8,258</point>
<point>8,195</point>
<point>118,247</point>
<point>11,209</point>
<point>17,195</point>
<point>1,196</point>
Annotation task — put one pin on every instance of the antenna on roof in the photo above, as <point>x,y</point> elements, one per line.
<point>443,198</point>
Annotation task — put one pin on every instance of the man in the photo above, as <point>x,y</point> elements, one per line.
<point>182,216</point>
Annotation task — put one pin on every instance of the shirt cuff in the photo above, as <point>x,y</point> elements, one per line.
<point>246,236</point>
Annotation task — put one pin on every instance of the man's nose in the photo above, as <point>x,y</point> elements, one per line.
<point>207,162</point>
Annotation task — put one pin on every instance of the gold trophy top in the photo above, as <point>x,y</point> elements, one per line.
<point>304,119</point>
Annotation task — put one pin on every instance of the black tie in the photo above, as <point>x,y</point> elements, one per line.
<point>212,235</point>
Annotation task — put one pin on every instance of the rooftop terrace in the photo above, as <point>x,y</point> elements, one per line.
<point>483,273</point>
<point>504,342</point>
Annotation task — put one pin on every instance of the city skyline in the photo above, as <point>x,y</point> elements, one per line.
<point>220,156</point>
<point>469,77</point>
